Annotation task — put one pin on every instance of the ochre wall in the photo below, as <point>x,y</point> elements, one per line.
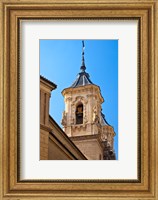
<point>90,148</point>
<point>56,153</point>
<point>44,135</point>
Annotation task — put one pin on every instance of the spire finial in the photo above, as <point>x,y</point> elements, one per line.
<point>83,67</point>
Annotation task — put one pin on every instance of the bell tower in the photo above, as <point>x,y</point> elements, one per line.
<point>83,120</point>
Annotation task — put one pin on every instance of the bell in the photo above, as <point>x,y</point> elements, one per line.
<point>79,110</point>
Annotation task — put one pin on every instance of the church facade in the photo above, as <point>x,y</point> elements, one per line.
<point>54,143</point>
<point>83,120</point>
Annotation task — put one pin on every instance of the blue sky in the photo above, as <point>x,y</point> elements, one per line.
<point>60,62</point>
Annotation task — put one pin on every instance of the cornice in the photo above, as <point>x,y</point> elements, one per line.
<point>87,88</point>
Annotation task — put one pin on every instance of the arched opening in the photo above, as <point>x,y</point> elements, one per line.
<point>79,114</point>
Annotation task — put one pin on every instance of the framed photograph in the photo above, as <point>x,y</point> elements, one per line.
<point>82,119</point>
<point>79,100</point>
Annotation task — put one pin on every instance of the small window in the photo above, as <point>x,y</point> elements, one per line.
<point>79,114</point>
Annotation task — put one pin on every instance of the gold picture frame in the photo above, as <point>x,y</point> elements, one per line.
<point>11,14</point>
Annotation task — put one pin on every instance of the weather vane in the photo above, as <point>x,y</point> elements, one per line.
<point>83,47</point>
<point>83,62</point>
